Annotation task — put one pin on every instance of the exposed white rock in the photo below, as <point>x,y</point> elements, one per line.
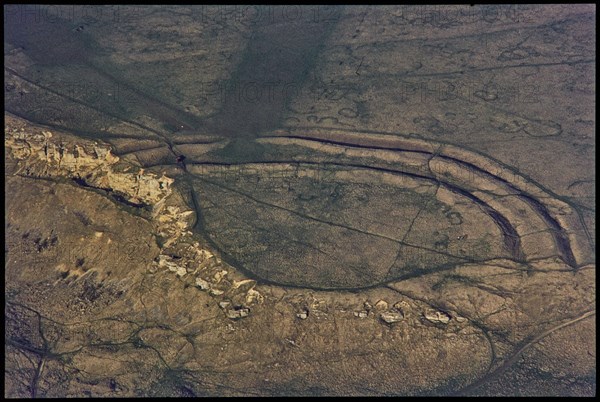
<point>253,296</point>
<point>220,275</point>
<point>361,314</point>
<point>381,305</point>
<point>165,261</point>
<point>246,283</point>
<point>402,305</point>
<point>239,313</point>
<point>303,315</point>
<point>391,316</point>
<point>437,317</point>
<point>202,284</point>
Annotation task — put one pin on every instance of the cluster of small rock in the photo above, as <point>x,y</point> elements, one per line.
<point>437,317</point>
<point>386,314</point>
<point>397,313</point>
<point>171,222</point>
<point>211,275</point>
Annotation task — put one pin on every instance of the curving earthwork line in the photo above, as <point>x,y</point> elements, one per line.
<point>500,187</point>
<point>439,206</point>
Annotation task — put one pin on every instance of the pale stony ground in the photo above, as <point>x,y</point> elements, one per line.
<point>112,292</point>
